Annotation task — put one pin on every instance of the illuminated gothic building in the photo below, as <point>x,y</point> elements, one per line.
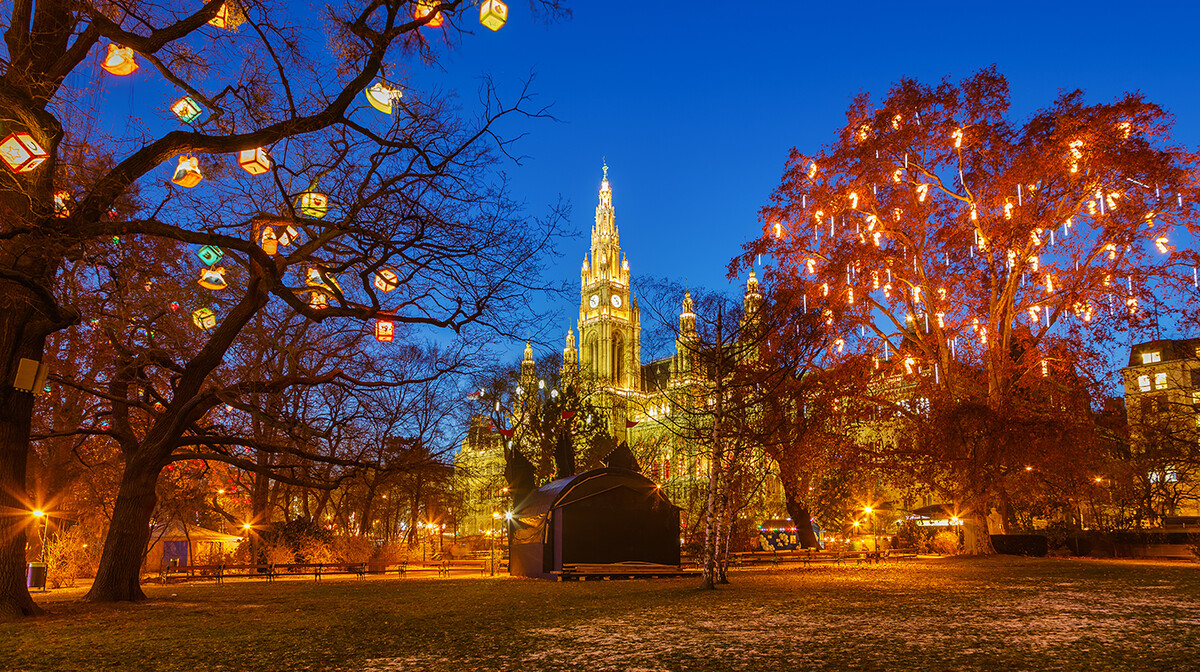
<point>640,398</point>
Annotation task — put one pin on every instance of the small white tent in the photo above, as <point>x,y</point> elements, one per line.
<point>186,545</point>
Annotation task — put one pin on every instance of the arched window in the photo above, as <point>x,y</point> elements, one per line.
<point>618,358</point>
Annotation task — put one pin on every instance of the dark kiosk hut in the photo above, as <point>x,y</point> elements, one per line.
<point>600,517</point>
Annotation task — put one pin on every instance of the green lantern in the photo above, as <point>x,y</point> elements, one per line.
<point>210,254</point>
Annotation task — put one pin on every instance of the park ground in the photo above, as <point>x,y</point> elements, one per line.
<point>999,613</point>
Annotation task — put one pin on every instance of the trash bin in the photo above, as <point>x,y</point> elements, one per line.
<point>35,575</point>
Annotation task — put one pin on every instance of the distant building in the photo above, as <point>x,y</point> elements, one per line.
<point>1162,401</point>
<point>479,475</point>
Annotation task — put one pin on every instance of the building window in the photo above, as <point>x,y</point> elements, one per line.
<point>1160,381</point>
<point>1144,383</point>
<point>1151,357</point>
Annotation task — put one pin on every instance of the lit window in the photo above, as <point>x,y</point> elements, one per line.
<point>1151,357</point>
<point>1160,381</point>
<point>1144,383</point>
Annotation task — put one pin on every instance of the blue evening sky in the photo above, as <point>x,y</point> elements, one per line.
<point>695,104</point>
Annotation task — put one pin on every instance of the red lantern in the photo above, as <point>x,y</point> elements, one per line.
<point>385,330</point>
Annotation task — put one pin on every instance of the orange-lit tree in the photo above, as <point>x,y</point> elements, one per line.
<point>973,253</point>
<point>308,162</point>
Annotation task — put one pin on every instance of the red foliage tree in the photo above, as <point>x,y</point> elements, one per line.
<point>988,253</point>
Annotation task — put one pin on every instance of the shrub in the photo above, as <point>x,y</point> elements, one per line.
<point>945,543</point>
<point>350,549</point>
<point>66,557</point>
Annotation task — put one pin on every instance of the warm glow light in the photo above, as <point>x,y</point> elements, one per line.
<point>186,109</point>
<point>21,153</point>
<point>958,137</point>
<point>383,96</point>
<point>386,280</point>
<point>854,200</point>
<point>245,526</point>
<point>922,192</point>
<point>254,161</point>
<point>385,330</point>
<point>187,173</point>
<point>424,8</point>
<point>493,14</point>
<point>1161,244</point>
<point>119,60</point>
<point>39,513</point>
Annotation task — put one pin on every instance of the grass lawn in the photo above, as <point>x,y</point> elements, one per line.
<point>954,614</point>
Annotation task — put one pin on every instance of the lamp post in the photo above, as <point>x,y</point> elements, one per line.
<point>495,520</point>
<point>874,534</point>
<point>45,529</point>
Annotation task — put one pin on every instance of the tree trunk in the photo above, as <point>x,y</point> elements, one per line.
<point>976,540</point>
<point>18,339</point>
<point>118,575</point>
<point>708,556</point>
<point>794,489</point>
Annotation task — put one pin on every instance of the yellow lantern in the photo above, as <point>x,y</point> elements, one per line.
<point>386,280</point>
<point>187,173</point>
<point>382,96</point>
<point>119,60</point>
<point>493,14</point>
<point>204,318</point>
<point>21,153</point>
<point>314,204</point>
<point>255,161</point>
<point>385,330</point>
<point>62,204</point>
<point>213,278</point>
<point>267,241</point>
<point>424,8</point>
<point>222,18</point>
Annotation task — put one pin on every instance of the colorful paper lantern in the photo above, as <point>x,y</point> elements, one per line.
<point>186,109</point>
<point>255,161</point>
<point>210,254</point>
<point>21,153</point>
<point>119,60</point>
<point>317,300</point>
<point>383,96</point>
<point>187,173</point>
<point>493,14</point>
<point>424,8</point>
<point>62,204</point>
<point>386,280</point>
<point>221,20</point>
<point>290,235</point>
<point>385,330</point>
<point>268,241</point>
<point>314,204</point>
<point>204,318</point>
<point>213,278</point>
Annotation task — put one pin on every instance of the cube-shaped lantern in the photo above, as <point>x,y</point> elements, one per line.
<point>314,204</point>
<point>210,254</point>
<point>187,109</point>
<point>493,14</point>
<point>290,235</point>
<point>119,60</point>
<point>187,173</point>
<point>255,161</point>
<point>21,153</point>
<point>424,8</point>
<point>386,280</point>
<point>383,96</point>
<point>385,330</point>
<point>268,241</point>
<point>204,318</point>
<point>318,300</point>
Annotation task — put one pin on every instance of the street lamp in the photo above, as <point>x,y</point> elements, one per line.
<point>874,534</point>
<point>45,529</point>
<point>495,520</point>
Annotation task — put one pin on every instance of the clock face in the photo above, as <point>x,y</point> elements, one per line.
<point>594,301</point>
<point>616,300</point>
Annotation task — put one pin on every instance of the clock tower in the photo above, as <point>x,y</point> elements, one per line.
<point>610,328</point>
